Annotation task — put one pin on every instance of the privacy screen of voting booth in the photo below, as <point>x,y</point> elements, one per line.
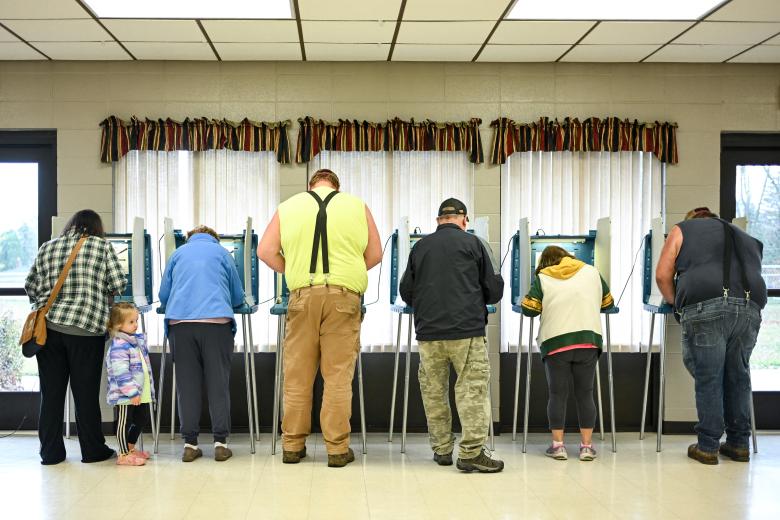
<point>134,251</point>
<point>242,248</point>
<point>653,244</point>
<point>593,248</point>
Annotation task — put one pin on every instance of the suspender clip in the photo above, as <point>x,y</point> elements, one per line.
<point>747,295</point>
<point>725,293</point>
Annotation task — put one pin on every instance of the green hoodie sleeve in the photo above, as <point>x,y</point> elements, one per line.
<point>607,302</point>
<point>532,302</point>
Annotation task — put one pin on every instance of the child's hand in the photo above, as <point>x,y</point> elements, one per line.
<point>136,400</point>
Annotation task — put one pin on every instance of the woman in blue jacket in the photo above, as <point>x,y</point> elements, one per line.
<point>199,289</point>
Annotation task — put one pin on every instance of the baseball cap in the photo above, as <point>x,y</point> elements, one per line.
<point>452,207</point>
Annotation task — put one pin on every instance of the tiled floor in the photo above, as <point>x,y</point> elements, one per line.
<point>636,482</point>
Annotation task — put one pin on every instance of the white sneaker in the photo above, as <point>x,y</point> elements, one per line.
<point>587,453</point>
<point>557,452</point>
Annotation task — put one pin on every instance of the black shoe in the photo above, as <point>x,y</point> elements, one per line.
<point>293,457</point>
<point>443,460</point>
<point>482,463</point>
<point>342,459</point>
<point>734,453</point>
<point>705,457</point>
<point>107,454</point>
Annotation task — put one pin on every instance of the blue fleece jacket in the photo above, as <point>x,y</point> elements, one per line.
<point>200,281</point>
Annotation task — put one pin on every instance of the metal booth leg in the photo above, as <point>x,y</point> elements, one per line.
<point>517,380</point>
<point>527,383</point>
<point>277,386</point>
<point>173,399</point>
<point>255,410</point>
<point>661,385</point>
<point>160,390</point>
<point>753,423</point>
<point>611,387</point>
<point>601,406</point>
<point>406,384</point>
<point>647,377</point>
<point>395,377</point>
<point>248,386</point>
<point>362,400</point>
<point>67,412</point>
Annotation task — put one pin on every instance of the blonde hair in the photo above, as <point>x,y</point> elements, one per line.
<point>202,229</point>
<point>119,313</point>
<point>326,175</point>
<point>702,212</point>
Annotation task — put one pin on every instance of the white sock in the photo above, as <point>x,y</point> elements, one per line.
<point>194,447</point>
<point>222,444</point>
<point>557,444</point>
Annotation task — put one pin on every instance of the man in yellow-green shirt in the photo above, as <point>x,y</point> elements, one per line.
<point>324,241</point>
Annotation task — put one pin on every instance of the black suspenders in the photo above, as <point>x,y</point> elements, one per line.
<point>730,244</point>
<point>320,230</point>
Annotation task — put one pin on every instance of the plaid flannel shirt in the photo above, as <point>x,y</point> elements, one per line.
<point>87,292</point>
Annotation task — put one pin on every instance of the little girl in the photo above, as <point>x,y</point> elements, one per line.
<point>130,385</point>
<point>569,294</point>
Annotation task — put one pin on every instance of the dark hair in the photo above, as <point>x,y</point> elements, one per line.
<point>85,222</point>
<point>552,255</point>
<point>324,174</point>
<point>702,212</point>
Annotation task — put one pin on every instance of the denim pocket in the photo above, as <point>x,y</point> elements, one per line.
<point>705,332</point>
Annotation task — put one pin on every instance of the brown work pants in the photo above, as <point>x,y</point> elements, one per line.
<point>323,329</point>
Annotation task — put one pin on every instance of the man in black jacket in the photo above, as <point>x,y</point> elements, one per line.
<point>450,277</point>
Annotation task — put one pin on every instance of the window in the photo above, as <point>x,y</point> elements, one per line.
<point>395,185</point>
<point>218,188</point>
<point>566,193</point>
<point>27,203</point>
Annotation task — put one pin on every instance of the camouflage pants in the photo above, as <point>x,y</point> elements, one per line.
<point>469,358</point>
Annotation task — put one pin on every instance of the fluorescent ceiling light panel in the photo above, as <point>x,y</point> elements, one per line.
<point>189,9</point>
<point>611,9</point>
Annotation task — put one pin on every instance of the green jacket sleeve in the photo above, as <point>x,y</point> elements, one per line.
<point>607,302</point>
<point>532,302</point>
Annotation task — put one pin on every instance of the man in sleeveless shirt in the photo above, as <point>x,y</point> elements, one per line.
<point>711,271</point>
<point>324,241</point>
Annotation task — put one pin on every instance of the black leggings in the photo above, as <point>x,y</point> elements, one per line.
<point>579,365</point>
<point>131,420</point>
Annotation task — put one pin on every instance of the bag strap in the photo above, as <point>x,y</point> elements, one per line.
<point>63,275</point>
<point>320,230</point>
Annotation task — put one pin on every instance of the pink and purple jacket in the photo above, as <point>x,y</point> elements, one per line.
<point>126,377</point>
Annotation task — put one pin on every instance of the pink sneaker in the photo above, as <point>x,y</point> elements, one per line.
<point>130,460</point>
<point>141,453</point>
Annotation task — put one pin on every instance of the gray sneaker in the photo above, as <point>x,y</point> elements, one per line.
<point>558,453</point>
<point>482,463</point>
<point>587,453</point>
<point>443,460</point>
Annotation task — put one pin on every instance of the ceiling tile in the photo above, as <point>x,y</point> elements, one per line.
<point>349,9</point>
<point>609,53</point>
<point>539,33</point>
<point>749,11</point>
<point>696,53</point>
<point>522,53</point>
<point>37,9</point>
<point>257,31</point>
<point>83,50</point>
<point>729,33</point>
<point>59,30</point>
<point>760,54</point>
<point>444,32</point>
<point>258,51</point>
<point>489,10</point>
<point>348,32</point>
<point>347,51</point>
<point>18,51</point>
<point>411,52</point>
<point>171,50</point>
<point>634,33</point>
<point>155,30</point>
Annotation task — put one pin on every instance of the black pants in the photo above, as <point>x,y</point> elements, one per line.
<point>131,421</point>
<point>78,359</point>
<point>202,351</point>
<point>578,365</point>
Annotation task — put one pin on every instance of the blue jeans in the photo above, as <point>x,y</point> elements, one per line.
<point>718,336</point>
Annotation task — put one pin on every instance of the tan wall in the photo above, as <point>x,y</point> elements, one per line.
<point>705,99</point>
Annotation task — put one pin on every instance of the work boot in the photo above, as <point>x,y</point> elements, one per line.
<point>705,457</point>
<point>443,460</point>
<point>482,463</point>
<point>342,459</point>
<point>191,454</point>
<point>293,457</point>
<point>734,453</point>
<point>222,453</point>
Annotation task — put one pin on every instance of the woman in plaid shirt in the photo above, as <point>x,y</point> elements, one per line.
<point>76,328</point>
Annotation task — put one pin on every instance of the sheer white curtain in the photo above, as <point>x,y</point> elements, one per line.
<point>218,188</point>
<point>394,185</point>
<point>566,193</point>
